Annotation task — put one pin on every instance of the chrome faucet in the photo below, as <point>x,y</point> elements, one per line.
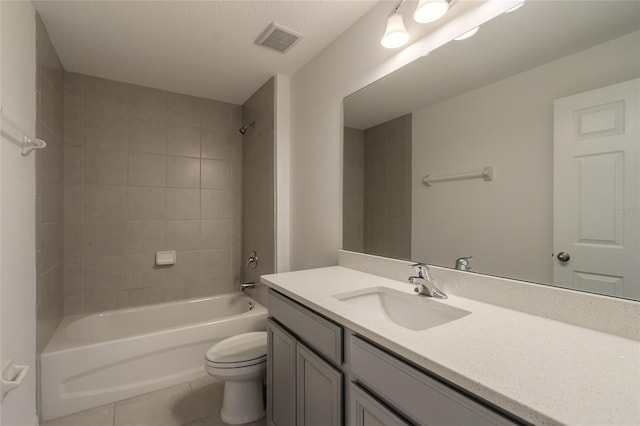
<point>424,282</point>
<point>247,285</point>
<point>464,263</point>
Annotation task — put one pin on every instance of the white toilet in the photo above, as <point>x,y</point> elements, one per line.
<point>241,361</point>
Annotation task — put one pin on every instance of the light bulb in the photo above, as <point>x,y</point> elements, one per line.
<point>396,34</point>
<point>430,10</point>
<point>468,34</point>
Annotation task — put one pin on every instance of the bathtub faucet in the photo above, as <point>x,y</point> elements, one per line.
<point>247,285</point>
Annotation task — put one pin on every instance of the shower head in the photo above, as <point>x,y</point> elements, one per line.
<point>246,127</point>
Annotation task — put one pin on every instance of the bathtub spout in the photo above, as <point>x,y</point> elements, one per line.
<point>247,285</point>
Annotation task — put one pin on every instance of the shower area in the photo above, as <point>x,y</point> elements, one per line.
<point>130,171</point>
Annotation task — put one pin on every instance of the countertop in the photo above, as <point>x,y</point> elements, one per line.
<point>544,371</point>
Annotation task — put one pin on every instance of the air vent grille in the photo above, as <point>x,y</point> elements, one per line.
<point>278,38</point>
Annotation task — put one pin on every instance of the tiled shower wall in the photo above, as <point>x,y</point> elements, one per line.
<point>148,170</point>
<point>49,92</point>
<point>387,188</point>
<point>353,190</point>
<point>259,187</point>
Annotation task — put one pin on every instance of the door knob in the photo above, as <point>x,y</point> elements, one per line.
<point>563,257</point>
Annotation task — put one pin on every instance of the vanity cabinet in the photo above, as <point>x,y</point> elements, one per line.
<point>319,390</point>
<point>302,388</point>
<point>308,377</point>
<point>364,410</point>
<point>281,376</point>
<point>304,381</point>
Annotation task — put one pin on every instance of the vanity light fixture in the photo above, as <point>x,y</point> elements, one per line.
<point>468,34</point>
<point>396,34</point>
<point>430,10</point>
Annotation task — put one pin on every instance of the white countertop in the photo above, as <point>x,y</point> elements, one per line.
<point>541,370</point>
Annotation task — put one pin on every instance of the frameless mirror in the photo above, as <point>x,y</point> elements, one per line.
<point>518,147</point>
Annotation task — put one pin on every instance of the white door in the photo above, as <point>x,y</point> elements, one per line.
<point>596,225</point>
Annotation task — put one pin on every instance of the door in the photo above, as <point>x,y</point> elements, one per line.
<point>596,191</point>
<point>364,410</point>
<point>281,376</point>
<point>319,386</point>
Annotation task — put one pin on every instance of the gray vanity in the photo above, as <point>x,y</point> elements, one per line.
<point>354,344</point>
<point>322,373</point>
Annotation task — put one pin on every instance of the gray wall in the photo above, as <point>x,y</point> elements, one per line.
<point>258,219</point>
<point>387,188</point>
<point>147,170</point>
<point>353,191</point>
<point>49,287</point>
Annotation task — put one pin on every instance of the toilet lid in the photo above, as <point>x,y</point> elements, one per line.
<point>240,348</point>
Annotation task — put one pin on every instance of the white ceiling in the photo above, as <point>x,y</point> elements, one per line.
<point>201,48</point>
<point>539,32</point>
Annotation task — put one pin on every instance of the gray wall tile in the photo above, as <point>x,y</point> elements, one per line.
<point>216,144</point>
<point>183,140</point>
<point>147,169</point>
<point>215,234</point>
<point>217,204</point>
<point>105,131</point>
<point>132,186</point>
<point>183,234</point>
<point>146,202</point>
<point>147,103</point>
<point>146,236</point>
<point>216,174</point>
<point>105,202</point>
<point>105,167</point>
<point>146,136</point>
<point>183,172</point>
<point>183,203</point>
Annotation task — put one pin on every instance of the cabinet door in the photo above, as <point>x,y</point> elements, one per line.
<point>281,376</point>
<point>366,411</point>
<point>319,390</point>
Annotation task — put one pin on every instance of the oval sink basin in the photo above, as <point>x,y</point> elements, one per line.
<point>409,311</point>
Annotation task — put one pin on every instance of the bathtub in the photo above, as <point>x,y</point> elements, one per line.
<point>104,357</point>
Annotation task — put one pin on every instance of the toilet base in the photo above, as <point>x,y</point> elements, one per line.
<point>242,402</point>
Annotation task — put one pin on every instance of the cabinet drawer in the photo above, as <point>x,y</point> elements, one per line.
<point>364,410</point>
<point>319,333</point>
<point>421,398</point>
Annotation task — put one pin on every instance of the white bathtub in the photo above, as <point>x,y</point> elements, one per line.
<point>104,357</point>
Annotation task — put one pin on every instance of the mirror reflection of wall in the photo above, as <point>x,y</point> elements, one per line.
<point>491,103</point>
<point>378,182</point>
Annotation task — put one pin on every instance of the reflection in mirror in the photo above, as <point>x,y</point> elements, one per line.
<point>547,97</point>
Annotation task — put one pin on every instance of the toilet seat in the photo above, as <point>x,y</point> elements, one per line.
<point>243,350</point>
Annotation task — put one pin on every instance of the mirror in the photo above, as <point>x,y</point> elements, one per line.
<point>518,147</point>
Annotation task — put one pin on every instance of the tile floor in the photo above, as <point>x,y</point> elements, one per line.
<point>195,403</point>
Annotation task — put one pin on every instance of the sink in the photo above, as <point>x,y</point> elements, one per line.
<point>409,311</point>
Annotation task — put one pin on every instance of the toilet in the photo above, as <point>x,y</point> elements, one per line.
<point>241,361</point>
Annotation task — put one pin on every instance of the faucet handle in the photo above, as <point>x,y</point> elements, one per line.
<point>422,270</point>
<point>464,263</point>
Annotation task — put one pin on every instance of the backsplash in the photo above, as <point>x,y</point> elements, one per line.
<point>148,170</point>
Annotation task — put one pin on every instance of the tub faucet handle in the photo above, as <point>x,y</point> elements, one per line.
<point>252,261</point>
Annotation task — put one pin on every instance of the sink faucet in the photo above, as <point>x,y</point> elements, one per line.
<point>424,283</point>
<point>464,263</point>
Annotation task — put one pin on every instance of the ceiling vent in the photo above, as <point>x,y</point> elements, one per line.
<point>278,38</point>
